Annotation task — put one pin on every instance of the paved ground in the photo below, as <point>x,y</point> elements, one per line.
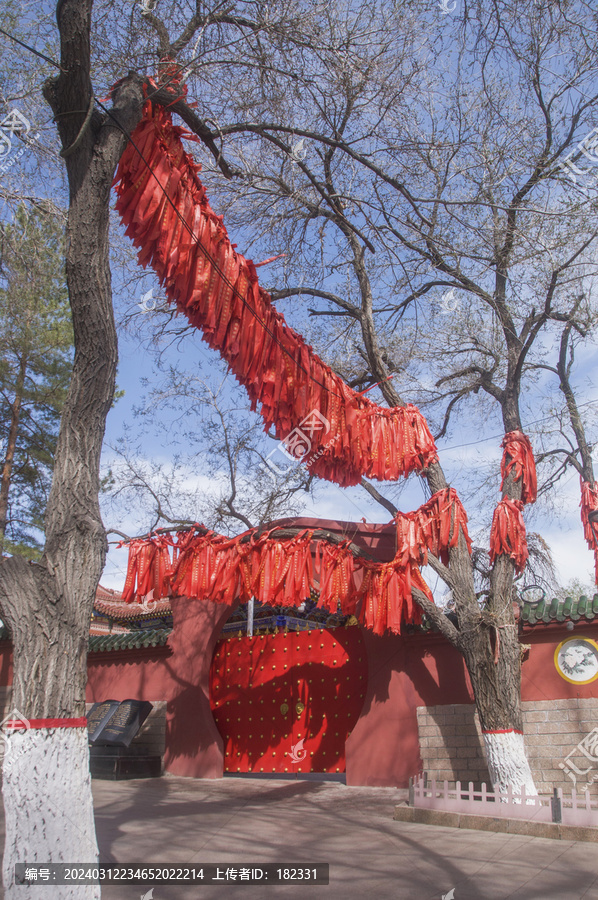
<point>236,821</point>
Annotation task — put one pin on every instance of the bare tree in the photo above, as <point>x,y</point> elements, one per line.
<point>47,604</point>
<point>227,477</point>
<point>440,177</point>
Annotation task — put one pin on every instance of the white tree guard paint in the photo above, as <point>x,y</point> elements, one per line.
<point>48,808</point>
<point>507,762</point>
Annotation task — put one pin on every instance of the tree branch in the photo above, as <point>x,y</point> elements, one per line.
<point>438,618</point>
<point>378,497</point>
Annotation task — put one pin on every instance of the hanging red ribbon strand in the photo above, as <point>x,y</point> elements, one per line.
<point>518,455</point>
<point>507,535</point>
<point>435,526</point>
<point>340,434</point>
<point>279,572</point>
<point>589,518</point>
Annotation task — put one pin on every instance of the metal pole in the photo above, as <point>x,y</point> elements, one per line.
<point>250,617</point>
<point>557,814</point>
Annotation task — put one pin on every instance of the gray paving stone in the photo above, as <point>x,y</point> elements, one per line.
<point>235,820</point>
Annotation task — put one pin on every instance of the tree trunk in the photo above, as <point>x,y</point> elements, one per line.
<point>48,605</point>
<point>487,639</point>
<point>493,658</point>
<point>13,433</point>
<point>46,783</point>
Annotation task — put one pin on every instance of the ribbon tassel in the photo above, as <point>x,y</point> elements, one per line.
<point>167,215</point>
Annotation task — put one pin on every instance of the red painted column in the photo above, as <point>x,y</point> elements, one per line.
<point>193,744</point>
<point>383,748</point>
<point>405,671</point>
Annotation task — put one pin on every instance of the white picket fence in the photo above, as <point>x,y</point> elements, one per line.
<point>576,809</point>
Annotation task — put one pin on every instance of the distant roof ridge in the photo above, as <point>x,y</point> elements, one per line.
<point>109,603</point>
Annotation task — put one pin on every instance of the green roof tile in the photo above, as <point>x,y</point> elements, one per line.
<point>546,607</point>
<point>554,606</point>
<point>131,640</point>
<point>575,613</point>
<point>565,612</point>
<point>540,609</point>
<point>560,610</point>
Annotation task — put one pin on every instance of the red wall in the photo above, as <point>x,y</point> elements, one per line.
<point>540,679</point>
<point>404,673</point>
<point>177,673</point>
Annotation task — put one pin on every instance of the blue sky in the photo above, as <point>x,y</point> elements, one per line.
<point>464,450</point>
<point>470,446</point>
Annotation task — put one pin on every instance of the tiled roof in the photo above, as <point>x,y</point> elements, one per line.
<point>574,608</point>
<point>110,604</point>
<point>107,594</point>
<point>132,640</point>
<point>545,612</point>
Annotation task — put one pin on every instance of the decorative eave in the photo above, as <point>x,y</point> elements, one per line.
<point>128,640</point>
<point>132,640</point>
<point>555,611</point>
<point>110,604</point>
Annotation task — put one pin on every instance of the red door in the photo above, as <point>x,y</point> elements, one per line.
<point>287,702</point>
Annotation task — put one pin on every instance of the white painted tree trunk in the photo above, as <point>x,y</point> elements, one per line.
<point>48,808</point>
<point>507,761</point>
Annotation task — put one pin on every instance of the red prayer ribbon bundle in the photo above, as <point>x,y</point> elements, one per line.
<point>507,535</point>
<point>278,572</point>
<point>386,595</point>
<point>149,568</point>
<point>335,567</point>
<point>589,504</point>
<point>518,455</point>
<point>340,434</point>
<point>440,521</point>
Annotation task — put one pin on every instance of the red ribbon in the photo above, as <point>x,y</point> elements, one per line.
<point>279,571</point>
<point>346,436</point>
<point>507,534</point>
<point>589,504</point>
<point>25,725</point>
<point>518,455</point>
<point>435,526</point>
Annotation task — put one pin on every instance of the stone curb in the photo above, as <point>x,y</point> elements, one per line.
<point>492,823</point>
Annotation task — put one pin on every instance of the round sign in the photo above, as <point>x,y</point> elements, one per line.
<point>576,660</point>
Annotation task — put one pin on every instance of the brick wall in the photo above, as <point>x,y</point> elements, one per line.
<point>450,742</point>
<point>452,747</point>
<point>553,728</point>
